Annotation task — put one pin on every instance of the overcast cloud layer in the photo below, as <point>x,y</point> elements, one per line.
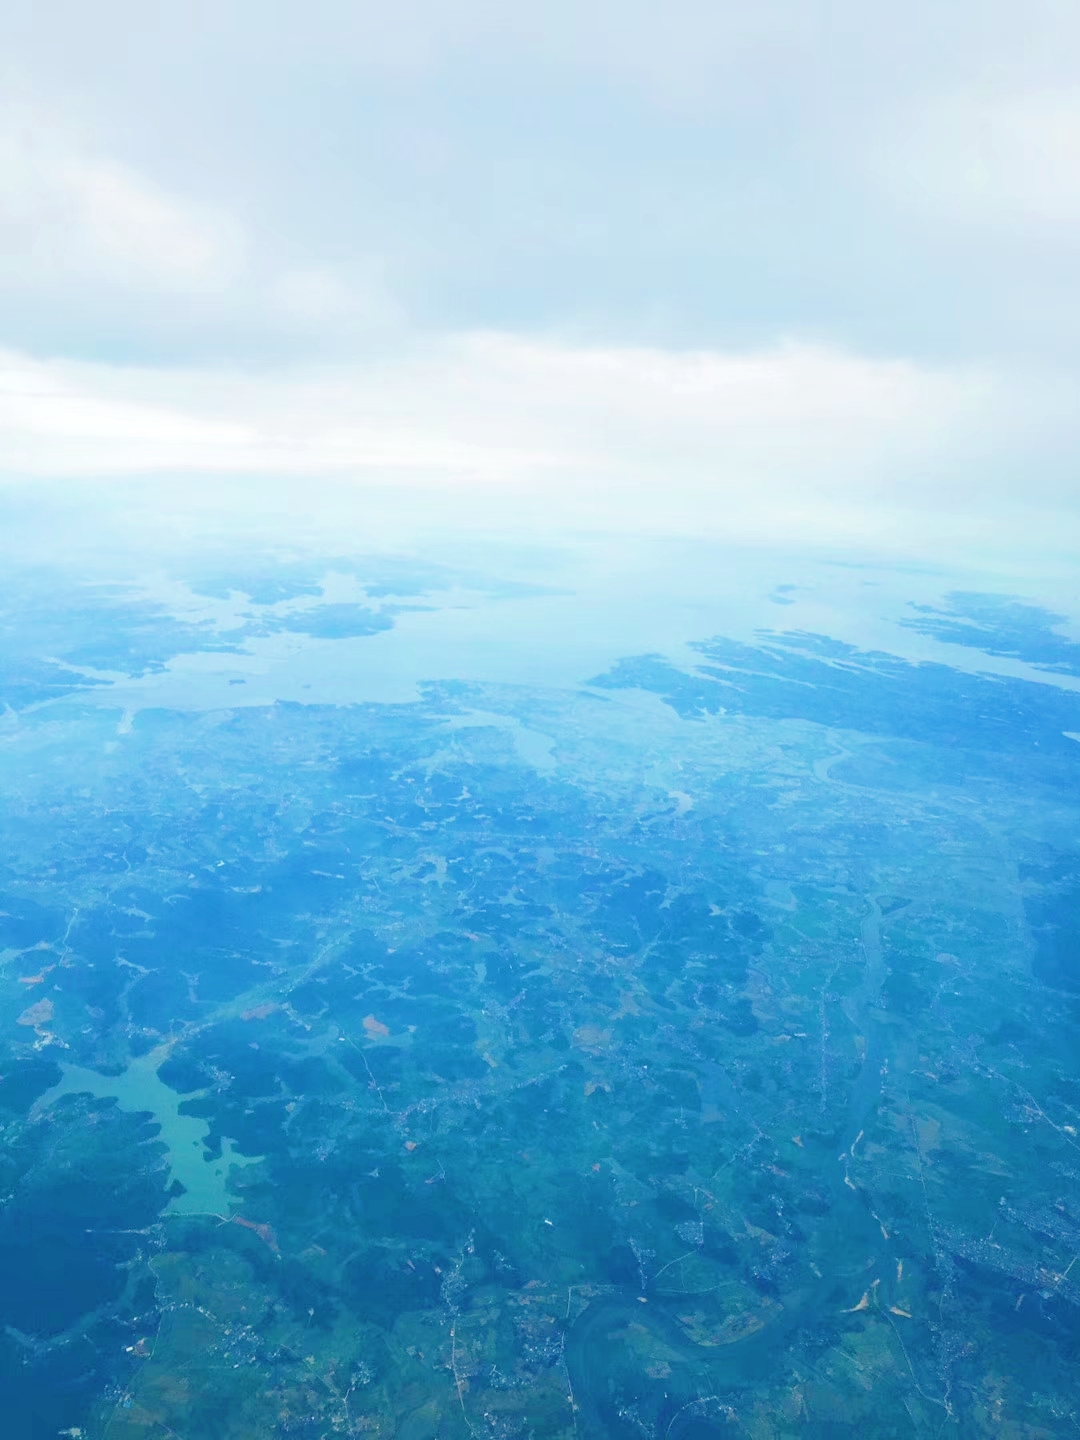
<point>703,248</point>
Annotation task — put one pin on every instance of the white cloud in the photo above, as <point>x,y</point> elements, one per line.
<point>493,405</point>
<point>92,249</point>
<point>794,442</point>
<point>54,420</point>
<point>126,222</point>
<point>1006,160</point>
<point>318,300</point>
<point>368,207</point>
<point>68,215</point>
<point>280,181</point>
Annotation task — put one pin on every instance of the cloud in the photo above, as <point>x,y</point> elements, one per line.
<point>783,252</point>
<point>1008,161</point>
<point>95,254</point>
<point>793,443</point>
<point>277,182</point>
<point>69,214</point>
<point>55,420</point>
<point>490,405</point>
<point>125,222</point>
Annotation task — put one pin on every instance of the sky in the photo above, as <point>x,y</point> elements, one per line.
<point>757,267</point>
